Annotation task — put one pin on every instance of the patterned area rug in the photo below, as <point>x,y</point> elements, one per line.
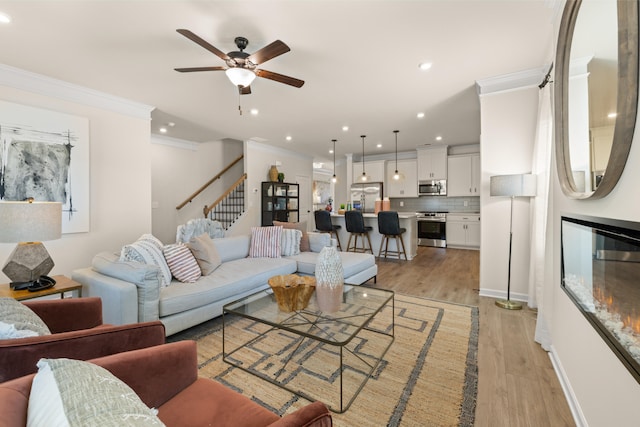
<point>428,377</point>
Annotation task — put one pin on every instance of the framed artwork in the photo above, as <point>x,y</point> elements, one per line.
<point>45,155</point>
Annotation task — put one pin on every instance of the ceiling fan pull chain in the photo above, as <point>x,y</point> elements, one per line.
<point>239,107</point>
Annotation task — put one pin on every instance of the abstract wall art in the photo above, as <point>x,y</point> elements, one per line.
<point>45,155</point>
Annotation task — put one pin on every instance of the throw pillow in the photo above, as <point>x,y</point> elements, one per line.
<point>69,392</point>
<point>290,243</point>
<point>302,226</point>
<point>182,263</point>
<point>24,321</point>
<point>147,250</point>
<point>265,242</point>
<point>205,253</point>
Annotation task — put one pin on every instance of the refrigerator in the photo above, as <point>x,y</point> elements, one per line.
<point>364,195</point>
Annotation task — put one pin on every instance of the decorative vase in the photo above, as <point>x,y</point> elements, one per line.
<point>329,279</point>
<point>273,173</point>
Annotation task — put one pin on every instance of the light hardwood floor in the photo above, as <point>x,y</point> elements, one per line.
<point>517,385</point>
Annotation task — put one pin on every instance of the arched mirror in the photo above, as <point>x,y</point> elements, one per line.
<point>596,94</point>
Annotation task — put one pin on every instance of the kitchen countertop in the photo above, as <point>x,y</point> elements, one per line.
<point>401,215</point>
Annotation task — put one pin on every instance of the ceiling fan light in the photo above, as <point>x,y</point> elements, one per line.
<point>240,76</point>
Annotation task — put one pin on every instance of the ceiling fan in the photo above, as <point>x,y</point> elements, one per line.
<point>242,67</point>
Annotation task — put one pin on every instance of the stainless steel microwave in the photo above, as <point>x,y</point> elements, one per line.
<point>432,188</point>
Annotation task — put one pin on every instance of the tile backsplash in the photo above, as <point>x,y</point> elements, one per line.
<point>436,203</point>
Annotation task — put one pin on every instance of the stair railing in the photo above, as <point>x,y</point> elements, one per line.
<point>229,206</point>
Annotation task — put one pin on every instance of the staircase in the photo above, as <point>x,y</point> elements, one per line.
<point>229,206</point>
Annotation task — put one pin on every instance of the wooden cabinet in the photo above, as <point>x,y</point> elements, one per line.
<point>374,169</point>
<point>464,175</point>
<point>432,163</point>
<point>279,202</point>
<point>408,187</point>
<point>463,230</point>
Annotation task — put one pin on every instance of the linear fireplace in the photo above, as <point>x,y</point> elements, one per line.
<point>600,262</point>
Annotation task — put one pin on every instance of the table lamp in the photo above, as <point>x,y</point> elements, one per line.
<point>28,223</point>
<point>512,186</point>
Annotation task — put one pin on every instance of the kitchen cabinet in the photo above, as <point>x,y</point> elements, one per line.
<point>375,170</point>
<point>432,163</point>
<point>463,231</point>
<point>408,187</point>
<point>463,175</point>
<point>279,202</point>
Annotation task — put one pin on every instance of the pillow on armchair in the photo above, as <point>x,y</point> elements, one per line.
<point>19,321</point>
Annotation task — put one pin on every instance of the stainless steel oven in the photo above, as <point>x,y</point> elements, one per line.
<point>432,188</point>
<point>432,229</point>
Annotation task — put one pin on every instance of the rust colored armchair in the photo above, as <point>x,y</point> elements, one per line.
<point>166,377</point>
<point>77,332</point>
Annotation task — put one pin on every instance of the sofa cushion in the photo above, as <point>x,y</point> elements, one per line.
<point>302,226</point>
<point>265,242</point>
<point>147,279</point>
<point>205,253</point>
<point>231,248</point>
<point>317,241</point>
<point>71,392</point>
<point>19,321</point>
<point>352,262</point>
<point>290,242</point>
<point>230,279</point>
<point>147,250</point>
<point>182,263</point>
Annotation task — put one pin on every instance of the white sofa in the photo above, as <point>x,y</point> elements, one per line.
<point>131,291</point>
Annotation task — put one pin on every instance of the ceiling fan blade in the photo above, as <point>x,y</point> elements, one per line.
<point>244,90</point>
<point>205,44</point>
<point>268,52</point>
<point>190,70</point>
<point>279,78</point>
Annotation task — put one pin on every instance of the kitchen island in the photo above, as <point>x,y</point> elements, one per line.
<point>407,220</point>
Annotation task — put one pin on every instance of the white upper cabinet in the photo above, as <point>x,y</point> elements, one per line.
<point>374,169</point>
<point>432,163</point>
<point>407,187</point>
<point>464,175</point>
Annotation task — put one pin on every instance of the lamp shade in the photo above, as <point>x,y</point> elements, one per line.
<point>520,185</point>
<point>30,221</point>
<point>240,76</point>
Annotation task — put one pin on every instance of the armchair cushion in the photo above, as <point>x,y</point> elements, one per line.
<point>77,333</point>
<point>23,319</point>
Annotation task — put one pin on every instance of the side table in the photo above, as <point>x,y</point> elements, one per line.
<point>63,284</point>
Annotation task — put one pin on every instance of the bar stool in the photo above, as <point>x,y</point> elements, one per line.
<point>389,226</point>
<point>323,223</point>
<point>355,226</point>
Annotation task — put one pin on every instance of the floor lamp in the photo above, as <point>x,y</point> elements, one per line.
<point>512,186</point>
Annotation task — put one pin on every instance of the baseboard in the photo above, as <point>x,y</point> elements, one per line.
<point>574,405</point>
<point>492,293</point>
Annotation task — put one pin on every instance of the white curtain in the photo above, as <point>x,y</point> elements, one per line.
<point>541,167</point>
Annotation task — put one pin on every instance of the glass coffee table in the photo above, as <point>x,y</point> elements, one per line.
<point>315,355</point>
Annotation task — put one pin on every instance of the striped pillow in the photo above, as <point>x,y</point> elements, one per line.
<point>290,242</point>
<point>265,242</point>
<point>182,263</point>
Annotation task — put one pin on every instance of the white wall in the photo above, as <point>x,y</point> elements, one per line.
<point>178,169</point>
<point>258,158</point>
<point>120,169</point>
<point>508,122</point>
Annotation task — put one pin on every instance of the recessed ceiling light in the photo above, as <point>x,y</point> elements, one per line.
<point>420,115</point>
<point>330,151</point>
<point>612,115</point>
<point>379,146</point>
<point>4,18</point>
<point>424,66</point>
<point>288,138</point>
<point>438,138</point>
<point>345,128</point>
<point>171,124</point>
<point>163,130</point>
<point>254,111</point>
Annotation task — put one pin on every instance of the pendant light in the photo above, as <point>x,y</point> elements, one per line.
<point>334,179</point>
<point>364,177</point>
<point>397,176</point>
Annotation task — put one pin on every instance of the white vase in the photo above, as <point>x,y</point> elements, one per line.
<point>329,279</point>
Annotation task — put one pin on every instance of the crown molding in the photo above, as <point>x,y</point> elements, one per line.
<point>511,81</point>
<point>174,142</point>
<point>43,85</point>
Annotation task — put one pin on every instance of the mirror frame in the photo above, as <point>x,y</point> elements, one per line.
<point>627,101</point>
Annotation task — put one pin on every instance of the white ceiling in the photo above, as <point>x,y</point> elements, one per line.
<point>359,60</point>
